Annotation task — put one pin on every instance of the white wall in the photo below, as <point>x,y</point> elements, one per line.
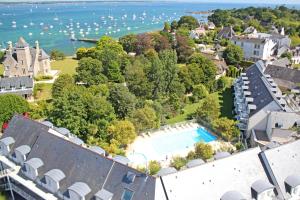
<point>51,184</point>
<point>285,118</point>
<point>260,119</point>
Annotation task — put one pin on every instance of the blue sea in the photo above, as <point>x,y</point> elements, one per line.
<point>54,24</point>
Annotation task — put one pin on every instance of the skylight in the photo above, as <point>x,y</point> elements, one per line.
<point>127,194</point>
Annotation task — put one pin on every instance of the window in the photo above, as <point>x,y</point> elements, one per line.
<point>256,53</point>
<point>127,194</point>
<point>242,44</point>
<point>257,46</point>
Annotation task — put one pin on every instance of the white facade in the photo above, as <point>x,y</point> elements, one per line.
<point>254,50</point>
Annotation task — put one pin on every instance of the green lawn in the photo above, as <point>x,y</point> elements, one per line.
<point>295,40</point>
<point>226,103</point>
<point>1,69</point>
<point>66,66</point>
<point>296,66</point>
<point>42,91</point>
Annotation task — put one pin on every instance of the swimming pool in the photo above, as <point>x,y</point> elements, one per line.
<point>168,143</point>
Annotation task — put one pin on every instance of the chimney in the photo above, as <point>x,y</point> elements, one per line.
<point>37,46</point>
<point>9,47</point>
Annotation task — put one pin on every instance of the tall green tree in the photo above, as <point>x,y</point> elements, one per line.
<point>209,110</point>
<point>64,81</point>
<point>189,22</point>
<point>122,131</point>
<point>90,72</point>
<point>233,55</point>
<point>122,100</point>
<point>227,128</point>
<point>145,118</point>
<point>129,42</point>
<point>11,104</point>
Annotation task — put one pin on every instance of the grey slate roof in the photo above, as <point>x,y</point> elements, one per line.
<point>282,62</point>
<point>79,164</point>
<point>232,195</point>
<point>283,73</point>
<point>226,32</point>
<point>259,91</point>
<point>121,159</point>
<point>47,123</point>
<point>80,188</point>
<point>21,43</point>
<point>16,82</point>
<point>56,174</point>
<point>97,150</point>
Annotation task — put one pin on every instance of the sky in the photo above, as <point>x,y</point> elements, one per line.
<point>223,1</point>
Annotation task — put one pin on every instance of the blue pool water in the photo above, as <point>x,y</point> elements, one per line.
<point>165,144</point>
<point>181,140</point>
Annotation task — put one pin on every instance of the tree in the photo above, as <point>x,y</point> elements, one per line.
<point>136,77</point>
<point>85,52</point>
<point>184,48</point>
<point>11,104</point>
<point>199,92</point>
<point>57,55</point>
<point>209,110</point>
<point>188,21</point>
<point>1,56</point>
<point>287,55</point>
<point>203,151</point>
<point>178,162</point>
<point>90,72</point>
<point>167,27</point>
<point>144,43</point>
<point>122,131</point>
<point>144,118</point>
<point>226,127</point>
<point>207,66</point>
<point>233,55</point>
<point>64,81</point>
<point>174,25</point>
<point>154,167</point>
<point>155,76</point>
<point>122,100</point>
<point>129,42</point>
<point>107,42</point>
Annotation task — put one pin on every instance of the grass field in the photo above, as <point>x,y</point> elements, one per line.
<point>42,91</point>
<point>295,40</point>
<point>226,107</point>
<point>66,66</point>
<point>1,69</point>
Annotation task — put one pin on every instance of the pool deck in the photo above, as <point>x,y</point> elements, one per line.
<point>145,152</point>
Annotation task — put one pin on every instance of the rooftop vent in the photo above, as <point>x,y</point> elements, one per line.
<point>5,144</point>
<point>220,155</point>
<point>80,189</point>
<point>121,159</point>
<point>97,149</point>
<point>194,163</point>
<point>76,140</point>
<point>47,123</point>
<point>64,131</point>
<point>259,187</point>
<point>291,182</point>
<point>103,195</point>
<point>232,195</point>
<point>252,106</point>
<point>166,171</point>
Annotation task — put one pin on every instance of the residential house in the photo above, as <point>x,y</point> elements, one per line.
<point>250,30</point>
<point>219,63</point>
<point>211,26</point>
<point>23,60</point>
<point>295,55</point>
<point>262,46</point>
<point>198,32</point>
<point>226,33</point>
<point>22,86</point>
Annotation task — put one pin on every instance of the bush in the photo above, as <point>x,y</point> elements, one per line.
<point>178,162</point>
<point>154,167</point>
<point>57,55</point>
<point>203,151</point>
<point>43,77</point>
